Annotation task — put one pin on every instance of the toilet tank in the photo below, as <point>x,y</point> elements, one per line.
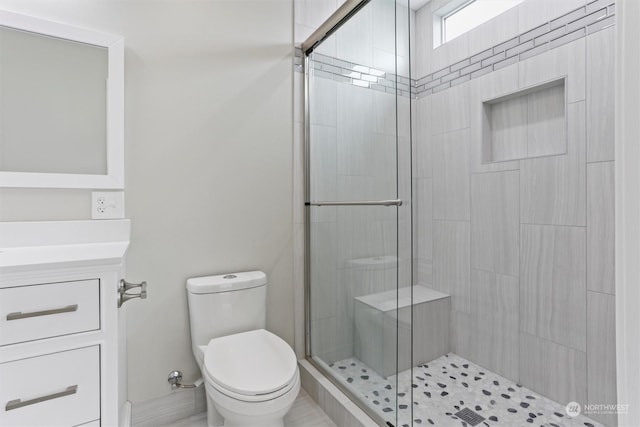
<point>226,304</point>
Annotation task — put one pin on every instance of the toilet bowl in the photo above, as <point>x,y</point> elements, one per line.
<point>251,376</point>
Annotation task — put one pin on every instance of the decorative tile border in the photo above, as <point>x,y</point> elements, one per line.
<point>356,74</point>
<point>593,17</point>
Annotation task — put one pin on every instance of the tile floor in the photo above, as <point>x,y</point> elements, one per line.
<point>304,413</point>
<point>447,385</point>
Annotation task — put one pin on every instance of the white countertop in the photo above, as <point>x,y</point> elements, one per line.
<point>62,243</point>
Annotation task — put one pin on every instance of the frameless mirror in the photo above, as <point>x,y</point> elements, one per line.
<point>61,105</point>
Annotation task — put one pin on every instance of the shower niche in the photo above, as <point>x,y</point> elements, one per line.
<point>528,123</point>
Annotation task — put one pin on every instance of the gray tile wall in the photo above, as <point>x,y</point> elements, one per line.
<point>525,247</point>
<point>584,22</point>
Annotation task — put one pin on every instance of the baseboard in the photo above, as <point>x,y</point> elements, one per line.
<point>342,411</point>
<point>125,415</point>
<point>189,402</point>
<point>181,403</point>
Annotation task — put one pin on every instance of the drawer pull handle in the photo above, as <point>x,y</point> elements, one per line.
<point>20,315</point>
<point>15,404</point>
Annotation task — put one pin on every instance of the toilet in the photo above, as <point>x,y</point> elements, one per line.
<point>251,375</point>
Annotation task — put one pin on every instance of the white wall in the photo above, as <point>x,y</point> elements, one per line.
<point>208,160</point>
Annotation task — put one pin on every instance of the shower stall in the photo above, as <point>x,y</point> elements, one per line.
<point>459,214</point>
<point>359,200</point>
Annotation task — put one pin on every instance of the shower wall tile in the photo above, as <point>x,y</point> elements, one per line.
<point>360,235</point>
<point>424,40</point>
<point>423,218</point>
<point>392,243</point>
<point>460,330</point>
<point>502,27</point>
<point>451,52</point>
<point>384,35</point>
<point>322,165</point>
<point>532,13</point>
<point>323,101</point>
<point>404,105</point>
<point>404,45</point>
<point>344,336</point>
<point>600,93</point>
<point>494,333</point>
<point>387,61</point>
<point>568,60</point>
<point>423,139</point>
<point>601,354</point>
<point>553,370</point>
<point>352,187</point>
<point>490,86</point>
<point>450,109</point>
<point>324,276</point>
<point>312,13</point>
<point>495,222</point>
<point>545,117</point>
<point>352,46</point>
<point>324,338</point>
<point>384,113</point>
<point>451,176</point>
<point>508,123</point>
<point>424,272</point>
<point>553,188</point>
<point>383,151</point>
<point>600,227</point>
<point>354,133</point>
<point>451,241</point>
<point>553,284</point>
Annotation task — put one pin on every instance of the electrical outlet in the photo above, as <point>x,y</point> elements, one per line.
<point>107,204</point>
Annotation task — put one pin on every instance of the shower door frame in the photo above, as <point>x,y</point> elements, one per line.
<point>332,24</point>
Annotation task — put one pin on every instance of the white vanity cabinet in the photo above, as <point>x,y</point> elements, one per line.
<point>62,355</point>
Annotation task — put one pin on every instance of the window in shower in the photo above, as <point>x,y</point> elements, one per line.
<point>458,17</point>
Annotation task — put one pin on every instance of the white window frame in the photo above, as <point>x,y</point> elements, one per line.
<point>442,14</point>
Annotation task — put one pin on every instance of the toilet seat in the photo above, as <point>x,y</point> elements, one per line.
<point>250,366</point>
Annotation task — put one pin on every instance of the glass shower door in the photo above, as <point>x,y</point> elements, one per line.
<point>358,207</point>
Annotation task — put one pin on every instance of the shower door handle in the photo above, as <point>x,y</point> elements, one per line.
<point>394,202</point>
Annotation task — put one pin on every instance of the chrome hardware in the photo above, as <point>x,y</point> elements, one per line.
<point>15,404</point>
<point>20,315</point>
<point>175,377</point>
<point>395,202</point>
<point>230,276</point>
<point>123,291</point>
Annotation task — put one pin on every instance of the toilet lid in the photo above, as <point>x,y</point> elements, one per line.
<point>250,363</point>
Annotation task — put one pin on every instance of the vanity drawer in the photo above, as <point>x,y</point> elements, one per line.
<point>40,311</point>
<point>58,389</point>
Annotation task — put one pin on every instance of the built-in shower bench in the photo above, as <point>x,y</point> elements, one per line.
<point>383,317</point>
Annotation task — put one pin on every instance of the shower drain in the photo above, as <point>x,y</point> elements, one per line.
<point>470,417</point>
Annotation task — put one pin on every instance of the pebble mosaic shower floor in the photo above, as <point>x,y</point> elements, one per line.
<point>448,385</point>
